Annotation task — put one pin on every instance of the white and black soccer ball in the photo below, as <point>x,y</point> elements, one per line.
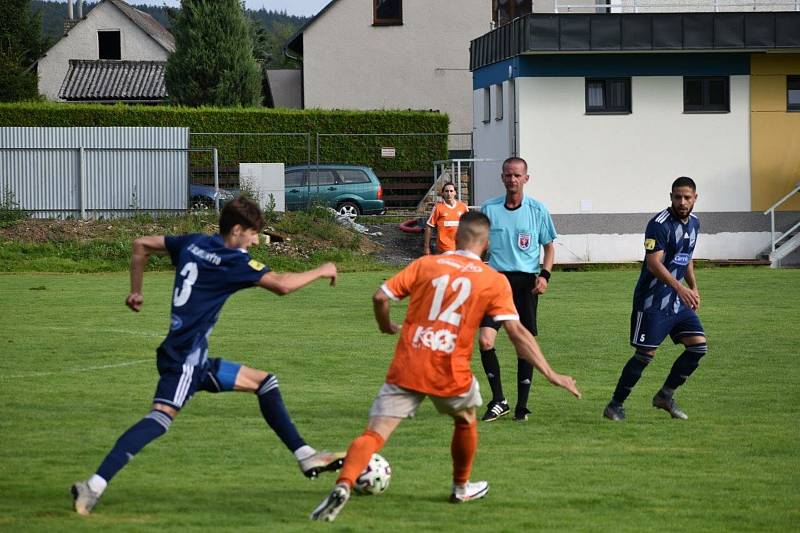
<point>375,477</point>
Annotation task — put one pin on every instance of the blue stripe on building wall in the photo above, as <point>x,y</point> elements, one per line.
<point>608,65</point>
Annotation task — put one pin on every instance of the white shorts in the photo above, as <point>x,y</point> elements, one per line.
<point>397,402</point>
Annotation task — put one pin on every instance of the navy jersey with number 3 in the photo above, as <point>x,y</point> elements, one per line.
<point>206,274</point>
<point>665,232</point>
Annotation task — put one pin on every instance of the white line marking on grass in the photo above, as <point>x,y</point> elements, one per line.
<point>111,330</point>
<point>74,370</point>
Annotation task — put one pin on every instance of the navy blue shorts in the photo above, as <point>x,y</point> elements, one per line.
<point>649,329</point>
<point>179,382</point>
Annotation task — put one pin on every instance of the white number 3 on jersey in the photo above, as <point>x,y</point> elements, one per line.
<point>189,272</point>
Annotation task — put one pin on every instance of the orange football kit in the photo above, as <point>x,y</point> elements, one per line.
<point>445,219</point>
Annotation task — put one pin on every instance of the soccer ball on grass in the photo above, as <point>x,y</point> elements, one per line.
<point>375,477</point>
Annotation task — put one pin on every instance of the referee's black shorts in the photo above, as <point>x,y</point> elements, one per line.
<point>522,285</point>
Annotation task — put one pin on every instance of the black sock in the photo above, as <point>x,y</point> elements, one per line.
<point>631,373</point>
<point>274,412</point>
<point>683,367</point>
<point>524,379</point>
<point>492,368</point>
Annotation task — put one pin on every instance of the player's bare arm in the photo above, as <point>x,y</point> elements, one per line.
<point>426,240</point>
<point>691,281</point>
<point>143,248</point>
<point>288,282</point>
<point>654,264</point>
<point>528,349</point>
<point>380,306</point>
<point>547,264</point>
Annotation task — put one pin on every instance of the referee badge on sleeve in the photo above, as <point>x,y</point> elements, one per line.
<point>649,244</point>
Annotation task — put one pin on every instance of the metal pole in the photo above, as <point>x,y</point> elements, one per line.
<point>215,159</point>
<point>459,179</point>
<point>772,229</point>
<point>82,181</point>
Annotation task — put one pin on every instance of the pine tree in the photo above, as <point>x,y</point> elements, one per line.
<point>21,44</point>
<point>213,62</point>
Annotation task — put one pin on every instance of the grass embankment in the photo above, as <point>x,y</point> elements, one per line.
<point>311,237</point>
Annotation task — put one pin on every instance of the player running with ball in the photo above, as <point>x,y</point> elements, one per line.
<point>450,294</point>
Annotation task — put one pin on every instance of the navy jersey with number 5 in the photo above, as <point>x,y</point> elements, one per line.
<point>665,232</point>
<point>206,274</point>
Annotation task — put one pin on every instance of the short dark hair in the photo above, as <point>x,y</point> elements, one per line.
<point>471,226</point>
<point>448,183</point>
<point>514,159</point>
<point>684,181</point>
<point>242,211</point>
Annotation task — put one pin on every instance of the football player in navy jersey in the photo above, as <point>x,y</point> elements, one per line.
<point>209,269</point>
<point>663,305</point>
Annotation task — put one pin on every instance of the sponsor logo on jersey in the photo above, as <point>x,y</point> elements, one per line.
<point>451,223</point>
<point>442,340</point>
<point>255,265</point>
<point>469,267</point>
<point>449,262</point>
<point>649,244</point>
<point>681,259</point>
<point>524,241</point>
<point>176,323</point>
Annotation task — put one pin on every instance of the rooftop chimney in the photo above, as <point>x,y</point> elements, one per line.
<point>80,9</point>
<point>69,9</point>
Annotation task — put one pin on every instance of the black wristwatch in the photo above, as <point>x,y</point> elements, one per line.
<point>545,274</point>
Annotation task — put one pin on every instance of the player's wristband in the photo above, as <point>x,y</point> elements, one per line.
<point>545,274</point>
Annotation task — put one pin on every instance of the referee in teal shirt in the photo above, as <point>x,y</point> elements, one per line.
<point>520,226</point>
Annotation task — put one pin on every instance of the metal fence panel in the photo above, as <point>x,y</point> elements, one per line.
<point>98,172</point>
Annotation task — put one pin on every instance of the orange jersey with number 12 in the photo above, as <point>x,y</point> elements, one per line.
<point>450,294</point>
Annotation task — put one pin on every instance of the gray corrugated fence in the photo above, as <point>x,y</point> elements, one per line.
<point>95,172</point>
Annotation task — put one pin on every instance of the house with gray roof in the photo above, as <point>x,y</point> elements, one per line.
<point>115,53</point>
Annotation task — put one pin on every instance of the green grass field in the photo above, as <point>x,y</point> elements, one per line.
<point>77,369</point>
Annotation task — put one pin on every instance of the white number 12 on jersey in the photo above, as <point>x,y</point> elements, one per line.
<point>449,315</point>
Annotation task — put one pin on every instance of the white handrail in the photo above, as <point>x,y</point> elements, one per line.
<point>771,213</point>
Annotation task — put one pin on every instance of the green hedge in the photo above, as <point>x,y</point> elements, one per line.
<point>412,153</point>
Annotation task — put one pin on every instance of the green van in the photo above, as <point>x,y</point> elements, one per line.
<point>350,190</point>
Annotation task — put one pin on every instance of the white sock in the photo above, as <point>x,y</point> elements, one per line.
<point>97,484</point>
<point>304,452</point>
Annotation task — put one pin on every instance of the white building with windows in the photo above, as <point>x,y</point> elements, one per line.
<point>392,54</point>
<point>608,109</point>
<point>114,53</point>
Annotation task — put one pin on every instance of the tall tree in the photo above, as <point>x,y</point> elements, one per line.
<point>213,62</point>
<point>21,43</point>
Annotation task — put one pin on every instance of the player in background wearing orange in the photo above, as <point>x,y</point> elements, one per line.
<point>450,294</point>
<point>444,218</point>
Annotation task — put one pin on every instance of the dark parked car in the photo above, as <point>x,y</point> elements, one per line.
<point>351,190</point>
<point>203,196</point>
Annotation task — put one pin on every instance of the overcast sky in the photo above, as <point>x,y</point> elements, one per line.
<point>303,8</point>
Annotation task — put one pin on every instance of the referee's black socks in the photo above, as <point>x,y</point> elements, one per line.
<point>492,368</point>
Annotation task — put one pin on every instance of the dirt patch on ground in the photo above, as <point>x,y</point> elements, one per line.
<point>397,248</point>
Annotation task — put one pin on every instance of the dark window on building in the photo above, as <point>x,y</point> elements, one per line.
<point>388,12</point>
<point>608,95</point>
<point>706,94</point>
<point>108,45</point>
<point>504,11</point>
<point>793,93</point>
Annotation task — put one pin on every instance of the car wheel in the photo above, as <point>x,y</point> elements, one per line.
<point>349,210</point>
<point>201,203</point>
